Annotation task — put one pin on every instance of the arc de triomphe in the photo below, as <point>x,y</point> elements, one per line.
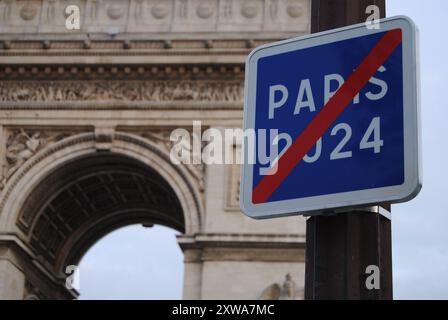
<point>85,119</point>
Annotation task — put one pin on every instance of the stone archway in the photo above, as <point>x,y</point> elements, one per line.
<point>72,195</point>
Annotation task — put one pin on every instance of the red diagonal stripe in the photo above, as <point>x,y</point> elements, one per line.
<point>329,113</point>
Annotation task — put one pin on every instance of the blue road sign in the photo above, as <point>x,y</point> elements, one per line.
<point>335,118</point>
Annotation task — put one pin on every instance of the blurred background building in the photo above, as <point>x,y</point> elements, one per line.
<point>85,123</point>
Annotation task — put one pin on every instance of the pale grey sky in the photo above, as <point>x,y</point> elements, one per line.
<point>139,263</point>
<point>420,239</point>
<point>133,263</point>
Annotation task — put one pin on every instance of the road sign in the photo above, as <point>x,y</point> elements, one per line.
<point>335,121</point>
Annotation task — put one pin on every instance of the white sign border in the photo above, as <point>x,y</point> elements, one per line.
<point>412,127</point>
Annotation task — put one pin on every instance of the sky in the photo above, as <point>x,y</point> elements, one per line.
<point>419,237</point>
<point>133,263</point>
<point>140,263</point>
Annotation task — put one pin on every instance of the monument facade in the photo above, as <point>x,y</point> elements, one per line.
<point>85,123</point>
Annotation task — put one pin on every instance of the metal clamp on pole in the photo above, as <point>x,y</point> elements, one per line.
<point>373,209</point>
<point>380,209</point>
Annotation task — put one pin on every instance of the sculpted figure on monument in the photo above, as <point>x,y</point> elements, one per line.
<point>285,292</point>
<point>20,148</point>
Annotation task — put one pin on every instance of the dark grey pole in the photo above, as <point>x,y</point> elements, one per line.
<point>340,247</point>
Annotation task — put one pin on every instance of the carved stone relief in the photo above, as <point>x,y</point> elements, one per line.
<point>28,11</point>
<point>161,137</point>
<point>232,187</point>
<point>21,145</point>
<point>44,91</point>
<point>5,10</point>
<point>287,291</point>
<point>157,15</point>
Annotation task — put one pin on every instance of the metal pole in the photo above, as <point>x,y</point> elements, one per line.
<point>340,247</point>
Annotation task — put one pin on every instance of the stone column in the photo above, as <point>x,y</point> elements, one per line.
<point>192,270</point>
<point>12,278</point>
